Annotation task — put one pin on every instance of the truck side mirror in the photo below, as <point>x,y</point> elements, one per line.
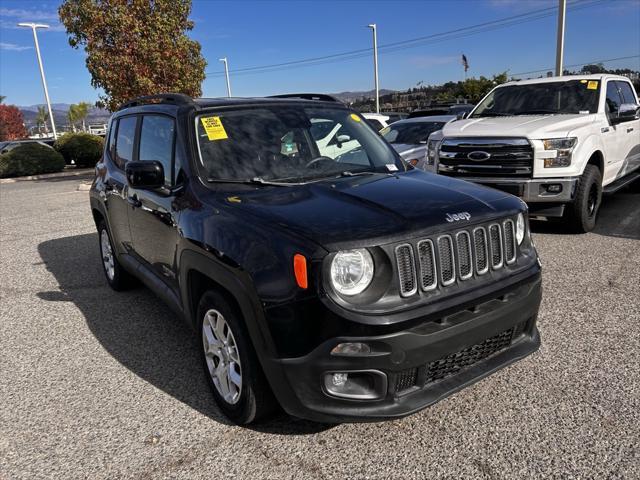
<point>626,113</point>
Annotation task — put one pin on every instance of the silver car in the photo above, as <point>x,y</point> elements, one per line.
<point>409,138</point>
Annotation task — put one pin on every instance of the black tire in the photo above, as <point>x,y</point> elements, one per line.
<point>582,213</point>
<point>120,279</point>
<point>255,400</point>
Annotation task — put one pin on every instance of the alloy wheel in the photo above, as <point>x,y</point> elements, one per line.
<point>107,254</point>
<point>222,356</point>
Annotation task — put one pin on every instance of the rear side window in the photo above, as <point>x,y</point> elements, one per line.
<point>627,92</point>
<point>156,142</point>
<point>125,140</point>
<point>613,97</point>
<point>112,138</point>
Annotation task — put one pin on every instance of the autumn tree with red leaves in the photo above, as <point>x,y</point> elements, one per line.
<point>11,123</point>
<point>135,47</point>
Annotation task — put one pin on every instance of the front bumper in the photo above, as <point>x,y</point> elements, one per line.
<point>422,364</point>
<point>533,190</point>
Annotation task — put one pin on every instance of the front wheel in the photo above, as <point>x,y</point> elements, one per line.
<point>582,213</point>
<point>233,371</point>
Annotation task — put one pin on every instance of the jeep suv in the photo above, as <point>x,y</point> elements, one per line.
<point>343,288</point>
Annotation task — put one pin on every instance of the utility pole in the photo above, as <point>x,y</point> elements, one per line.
<point>33,27</point>
<point>562,10</point>
<point>374,30</point>
<point>226,73</point>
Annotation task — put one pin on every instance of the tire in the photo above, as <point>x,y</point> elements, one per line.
<point>230,363</point>
<point>117,277</point>
<point>582,213</point>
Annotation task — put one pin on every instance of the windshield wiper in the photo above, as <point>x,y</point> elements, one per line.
<point>493,114</point>
<point>347,173</point>
<point>252,181</point>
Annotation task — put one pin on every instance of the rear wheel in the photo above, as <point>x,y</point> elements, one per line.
<point>117,277</point>
<point>231,365</point>
<point>582,213</point>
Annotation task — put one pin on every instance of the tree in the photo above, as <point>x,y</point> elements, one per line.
<point>42,117</point>
<point>2,97</point>
<point>11,123</point>
<point>135,47</point>
<point>72,116</point>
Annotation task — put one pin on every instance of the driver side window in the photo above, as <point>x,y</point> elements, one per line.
<point>613,100</point>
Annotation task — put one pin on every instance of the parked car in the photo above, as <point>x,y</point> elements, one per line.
<point>558,143</point>
<point>342,291</point>
<point>409,138</point>
<point>395,116</point>
<point>377,121</point>
<point>11,144</point>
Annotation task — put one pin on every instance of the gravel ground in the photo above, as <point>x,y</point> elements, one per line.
<point>95,384</point>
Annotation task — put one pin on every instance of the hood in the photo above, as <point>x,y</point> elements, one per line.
<point>529,126</point>
<point>370,210</point>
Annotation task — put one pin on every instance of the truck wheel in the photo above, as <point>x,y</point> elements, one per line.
<point>231,365</point>
<point>582,213</point>
<point>117,277</point>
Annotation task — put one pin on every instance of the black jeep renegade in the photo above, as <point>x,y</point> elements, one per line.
<point>319,271</point>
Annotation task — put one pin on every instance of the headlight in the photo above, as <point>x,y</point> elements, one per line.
<point>351,271</point>
<point>520,228</point>
<point>563,148</point>
<point>432,146</point>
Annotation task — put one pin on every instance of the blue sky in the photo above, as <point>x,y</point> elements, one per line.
<point>254,33</point>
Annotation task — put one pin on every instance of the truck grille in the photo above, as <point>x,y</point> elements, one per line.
<point>491,157</point>
<point>442,261</point>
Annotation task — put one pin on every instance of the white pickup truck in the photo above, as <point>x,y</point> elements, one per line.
<point>557,143</point>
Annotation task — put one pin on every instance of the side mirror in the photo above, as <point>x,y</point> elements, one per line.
<point>340,139</point>
<point>145,175</point>
<point>626,113</point>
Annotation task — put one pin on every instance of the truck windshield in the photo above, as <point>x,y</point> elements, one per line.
<point>572,96</point>
<point>289,144</point>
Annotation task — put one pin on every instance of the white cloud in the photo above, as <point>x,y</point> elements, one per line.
<point>13,47</point>
<point>9,17</point>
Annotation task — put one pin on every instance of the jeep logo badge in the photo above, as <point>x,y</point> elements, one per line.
<point>478,156</point>
<point>455,217</point>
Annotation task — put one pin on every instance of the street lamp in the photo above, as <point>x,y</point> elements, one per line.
<point>374,30</point>
<point>33,27</point>
<point>226,73</point>
<point>562,11</point>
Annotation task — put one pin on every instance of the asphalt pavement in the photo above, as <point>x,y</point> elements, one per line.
<point>98,384</point>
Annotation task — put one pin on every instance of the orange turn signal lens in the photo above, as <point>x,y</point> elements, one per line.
<point>413,162</point>
<point>300,270</point>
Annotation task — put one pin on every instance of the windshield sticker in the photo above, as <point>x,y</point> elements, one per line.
<point>592,85</point>
<point>583,81</point>
<point>391,167</point>
<point>214,128</point>
<point>355,117</point>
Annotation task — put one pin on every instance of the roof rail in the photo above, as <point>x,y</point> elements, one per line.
<point>174,98</point>
<point>308,96</point>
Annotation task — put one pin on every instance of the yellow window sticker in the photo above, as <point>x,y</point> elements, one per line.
<point>355,117</point>
<point>592,85</point>
<point>583,81</point>
<point>214,128</point>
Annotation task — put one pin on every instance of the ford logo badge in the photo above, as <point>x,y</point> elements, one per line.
<point>478,156</point>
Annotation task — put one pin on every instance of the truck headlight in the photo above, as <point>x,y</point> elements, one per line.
<point>520,228</point>
<point>563,148</point>
<point>351,271</point>
<point>432,146</point>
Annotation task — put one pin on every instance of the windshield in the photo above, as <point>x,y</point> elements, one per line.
<point>573,96</point>
<point>410,132</point>
<point>289,143</point>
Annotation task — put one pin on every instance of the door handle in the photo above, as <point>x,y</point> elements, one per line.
<point>134,201</point>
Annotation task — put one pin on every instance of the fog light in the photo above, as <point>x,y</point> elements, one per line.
<point>339,379</point>
<point>360,385</point>
<point>355,348</point>
<point>551,188</point>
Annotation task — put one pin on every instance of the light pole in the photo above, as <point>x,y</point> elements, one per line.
<point>374,30</point>
<point>226,73</point>
<point>33,27</point>
<point>562,10</point>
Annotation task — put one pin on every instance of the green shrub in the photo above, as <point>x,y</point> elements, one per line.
<point>30,159</point>
<point>83,148</point>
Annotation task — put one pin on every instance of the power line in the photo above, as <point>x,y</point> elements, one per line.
<point>414,42</point>
<point>591,62</point>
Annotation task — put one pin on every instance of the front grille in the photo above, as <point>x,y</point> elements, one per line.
<point>406,270</point>
<point>457,257</point>
<point>455,362</point>
<point>497,157</point>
